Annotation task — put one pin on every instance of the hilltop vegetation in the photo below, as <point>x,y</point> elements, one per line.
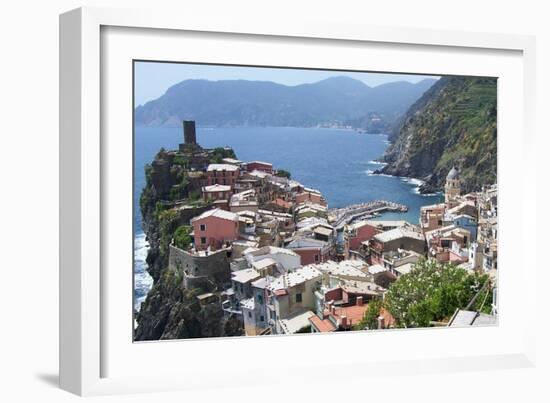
<point>453,123</point>
<point>334,101</point>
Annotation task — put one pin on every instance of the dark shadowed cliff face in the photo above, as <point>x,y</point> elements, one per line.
<point>453,124</point>
<point>171,311</point>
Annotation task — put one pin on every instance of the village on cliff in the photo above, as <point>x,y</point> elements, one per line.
<point>278,259</point>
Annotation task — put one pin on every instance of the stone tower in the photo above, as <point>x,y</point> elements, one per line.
<point>189,134</point>
<point>452,186</point>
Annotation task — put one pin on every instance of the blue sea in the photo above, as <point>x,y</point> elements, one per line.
<point>337,162</point>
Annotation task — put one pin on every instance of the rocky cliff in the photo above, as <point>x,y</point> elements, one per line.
<point>453,124</point>
<point>171,311</point>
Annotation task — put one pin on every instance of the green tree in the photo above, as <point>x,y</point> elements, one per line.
<point>182,237</point>
<point>370,318</point>
<point>219,153</point>
<point>431,292</point>
<point>283,173</point>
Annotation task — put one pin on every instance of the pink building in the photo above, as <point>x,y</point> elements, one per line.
<point>310,250</point>
<point>259,166</point>
<point>360,232</point>
<point>214,228</point>
<point>310,196</point>
<point>222,174</point>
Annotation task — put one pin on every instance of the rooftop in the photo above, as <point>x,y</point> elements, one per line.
<point>362,287</point>
<point>353,313</point>
<point>404,268</point>
<point>245,275</point>
<point>397,233</point>
<point>269,250</point>
<point>293,278</point>
<point>222,167</point>
<point>218,213</point>
<point>376,268</point>
<point>346,268</point>
<point>216,188</point>
<point>323,230</point>
<point>305,243</point>
<point>260,162</point>
<point>296,322</point>
<point>263,263</point>
<point>322,325</point>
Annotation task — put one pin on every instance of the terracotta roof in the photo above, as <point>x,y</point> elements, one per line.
<point>322,325</point>
<point>353,313</point>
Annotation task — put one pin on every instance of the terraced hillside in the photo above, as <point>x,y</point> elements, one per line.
<point>453,123</point>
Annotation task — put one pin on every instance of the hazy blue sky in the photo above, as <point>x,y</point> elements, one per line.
<point>153,79</point>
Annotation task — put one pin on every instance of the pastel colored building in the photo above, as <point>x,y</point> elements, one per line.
<point>310,250</point>
<point>362,231</point>
<point>431,217</point>
<point>222,174</point>
<point>216,192</point>
<point>310,196</point>
<point>214,228</point>
<point>291,299</point>
<point>468,223</point>
<point>398,238</point>
<point>259,166</point>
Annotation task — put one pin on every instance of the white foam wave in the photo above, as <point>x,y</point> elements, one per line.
<point>142,280</point>
<point>374,162</point>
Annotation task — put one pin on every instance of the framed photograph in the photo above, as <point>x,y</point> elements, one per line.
<point>236,187</point>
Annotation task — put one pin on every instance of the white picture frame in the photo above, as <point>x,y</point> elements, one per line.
<point>86,339</point>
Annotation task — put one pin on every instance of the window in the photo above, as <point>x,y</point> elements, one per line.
<point>299,298</point>
<point>261,318</point>
<point>203,240</point>
<point>249,314</point>
<point>316,258</point>
<point>203,227</point>
<point>260,299</point>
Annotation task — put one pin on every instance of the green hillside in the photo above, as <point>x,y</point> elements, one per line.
<point>453,123</point>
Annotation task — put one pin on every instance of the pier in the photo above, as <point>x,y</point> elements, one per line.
<point>348,214</point>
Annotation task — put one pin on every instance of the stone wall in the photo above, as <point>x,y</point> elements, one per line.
<point>201,270</point>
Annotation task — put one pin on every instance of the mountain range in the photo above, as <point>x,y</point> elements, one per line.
<point>339,101</point>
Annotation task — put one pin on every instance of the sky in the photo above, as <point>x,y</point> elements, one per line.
<point>152,79</point>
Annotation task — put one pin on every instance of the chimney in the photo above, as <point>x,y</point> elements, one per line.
<point>381,324</point>
<point>189,134</point>
<point>343,321</point>
<point>359,301</point>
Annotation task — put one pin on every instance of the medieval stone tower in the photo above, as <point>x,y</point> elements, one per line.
<point>452,186</point>
<point>189,134</point>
